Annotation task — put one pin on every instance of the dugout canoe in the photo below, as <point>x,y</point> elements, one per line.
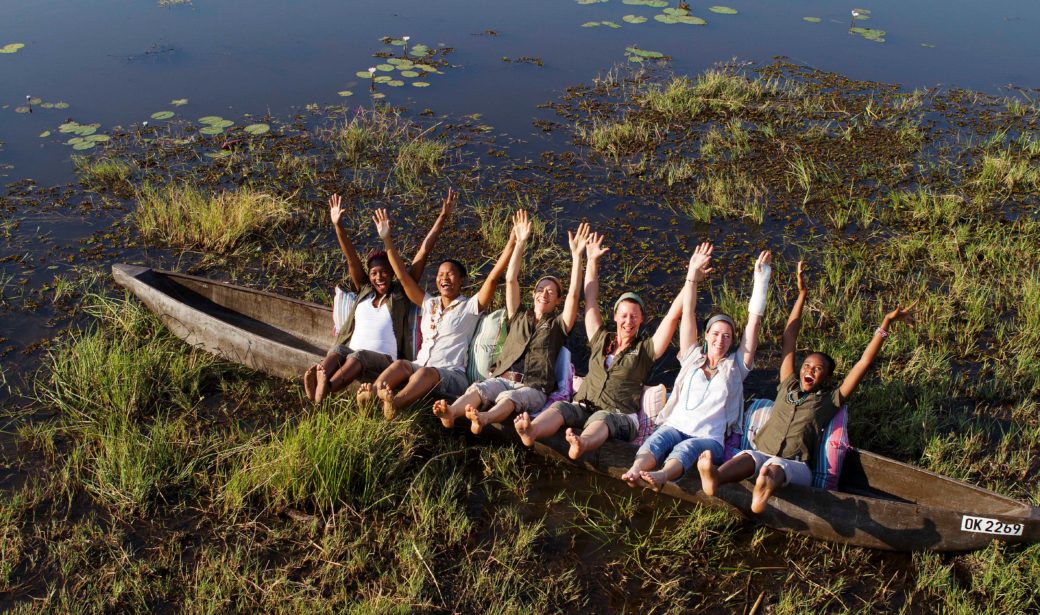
<point>881,503</point>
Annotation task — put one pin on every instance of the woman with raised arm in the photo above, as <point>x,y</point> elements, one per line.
<point>708,399</point>
<point>618,366</point>
<point>523,377</point>
<point>448,323</point>
<point>805,403</point>
<point>376,330</point>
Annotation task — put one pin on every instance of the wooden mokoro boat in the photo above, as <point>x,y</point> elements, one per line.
<point>881,503</point>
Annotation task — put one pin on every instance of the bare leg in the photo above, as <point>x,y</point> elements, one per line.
<point>349,372</point>
<point>328,365</point>
<point>545,424</point>
<point>734,470</point>
<point>591,438</point>
<point>642,463</point>
<point>420,383</point>
<point>672,470</point>
<point>496,414</point>
<point>447,413</point>
<point>398,372</point>
<point>769,480</point>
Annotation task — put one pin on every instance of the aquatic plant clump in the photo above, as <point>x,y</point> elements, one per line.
<point>186,216</point>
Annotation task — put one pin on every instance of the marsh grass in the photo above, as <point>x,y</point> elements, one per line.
<point>727,194</point>
<point>102,172</point>
<point>186,216</point>
<point>419,158</point>
<point>617,140</point>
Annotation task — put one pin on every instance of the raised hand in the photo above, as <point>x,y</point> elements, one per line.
<point>700,262</point>
<point>762,263</point>
<point>335,209</point>
<point>448,205</point>
<point>577,240</point>
<point>801,279</point>
<point>521,226</point>
<point>902,314</point>
<point>382,222</point>
<point>594,246</point>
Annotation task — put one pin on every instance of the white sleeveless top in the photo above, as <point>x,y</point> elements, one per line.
<point>374,328</point>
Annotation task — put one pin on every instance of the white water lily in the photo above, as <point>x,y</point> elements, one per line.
<point>406,38</point>
<point>371,69</point>
<point>855,13</point>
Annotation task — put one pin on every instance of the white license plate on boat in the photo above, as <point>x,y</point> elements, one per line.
<point>986,525</point>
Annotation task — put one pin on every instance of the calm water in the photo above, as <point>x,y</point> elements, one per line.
<point>118,61</point>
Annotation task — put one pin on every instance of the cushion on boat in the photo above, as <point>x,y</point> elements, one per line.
<point>486,344</point>
<point>564,372</point>
<point>414,322</point>
<point>342,304</point>
<point>650,405</point>
<point>830,455</point>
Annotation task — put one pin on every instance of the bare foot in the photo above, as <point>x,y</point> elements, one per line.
<point>764,488</point>
<point>310,381</point>
<point>387,396</point>
<point>321,391</point>
<point>577,444</point>
<point>478,418</point>
<point>709,475</point>
<point>632,477</point>
<point>656,480</point>
<point>442,410</point>
<point>365,394</point>
<point>522,423</point>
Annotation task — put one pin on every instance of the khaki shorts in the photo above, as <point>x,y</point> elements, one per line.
<point>575,414</point>
<point>453,382</point>
<point>372,363</point>
<point>494,390</point>
<point>795,472</point>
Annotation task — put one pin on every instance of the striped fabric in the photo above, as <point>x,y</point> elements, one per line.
<point>414,321</point>
<point>342,304</point>
<point>486,344</point>
<point>831,453</point>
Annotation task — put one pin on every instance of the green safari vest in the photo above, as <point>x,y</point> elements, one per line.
<point>400,316</point>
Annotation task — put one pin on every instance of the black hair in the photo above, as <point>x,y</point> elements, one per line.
<point>827,359</point>
<point>459,267</point>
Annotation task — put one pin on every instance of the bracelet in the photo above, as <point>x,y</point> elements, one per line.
<point>689,281</point>
<point>881,331</point>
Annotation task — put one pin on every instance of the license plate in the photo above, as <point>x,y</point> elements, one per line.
<point>986,525</point>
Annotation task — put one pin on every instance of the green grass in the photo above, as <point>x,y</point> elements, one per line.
<point>616,140</point>
<point>183,215</point>
<point>419,158</point>
<point>102,172</point>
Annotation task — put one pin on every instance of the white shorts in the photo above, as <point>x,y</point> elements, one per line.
<point>795,472</point>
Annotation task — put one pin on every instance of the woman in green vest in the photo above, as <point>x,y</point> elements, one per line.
<point>806,402</point>
<point>523,377</point>
<point>376,331</point>
<point>620,362</point>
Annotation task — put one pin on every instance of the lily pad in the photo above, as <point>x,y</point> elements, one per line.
<point>21,109</point>
<point>68,127</point>
<point>45,134</point>
<point>364,74</point>
<point>395,83</point>
<point>590,24</point>
<point>675,11</point>
<point>690,19</point>
<point>47,105</point>
<point>409,73</point>
<point>383,79</point>
<point>419,50</point>
<point>179,102</point>
<point>75,140</point>
<point>665,18</point>
<point>878,36</point>
<point>61,104</point>
<point>427,68</point>
<point>162,115</point>
<point>634,19</point>
<point>657,4</point>
<point>861,14</point>
<point>86,131</point>
<point>386,68</point>
<point>345,93</point>
<point>378,95</point>
<point>210,119</point>
<point>97,138</point>
<point>82,145</point>
<point>257,129</point>
<point>928,45</point>
<point>420,84</point>
<point>812,19</point>
<point>590,1</point>
<point>211,130</point>
<point>402,64</point>
<point>11,47</point>
<point>35,100</point>
<point>722,10</point>
<point>643,53</point>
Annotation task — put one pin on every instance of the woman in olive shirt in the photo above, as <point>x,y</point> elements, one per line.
<point>805,403</point>
<point>619,364</point>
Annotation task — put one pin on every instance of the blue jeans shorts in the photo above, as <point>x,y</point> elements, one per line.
<point>670,443</point>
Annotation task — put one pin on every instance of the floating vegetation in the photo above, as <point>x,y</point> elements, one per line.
<point>45,134</point>
<point>50,105</point>
<point>812,19</point>
<point>635,54</point>
<point>11,47</point>
<point>162,115</point>
<point>928,45</point>
<point>345,93</point>
<point>420,84</point>
<point>257,129</point>
<point>419,61</point>
<point>179,102</point>
<point>861,14</point>
<point>590,1</point>
<point>634,19</point>
<point>593,24</point>
<point>675,16</point>
<point>214,125</point>
<point>871,34</point>
<point>657,4</point>
<point>86,137</point>
<point>722,10</point>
